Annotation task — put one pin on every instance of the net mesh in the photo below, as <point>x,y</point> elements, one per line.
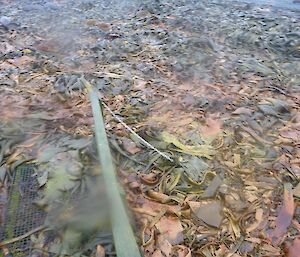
<point>21,213</point>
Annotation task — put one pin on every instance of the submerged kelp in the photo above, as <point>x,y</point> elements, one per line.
<point>213,86</point>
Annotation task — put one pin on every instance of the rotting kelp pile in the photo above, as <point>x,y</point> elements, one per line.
<point>214,85</point>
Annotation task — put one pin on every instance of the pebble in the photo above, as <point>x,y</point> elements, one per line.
<point>5,21</point>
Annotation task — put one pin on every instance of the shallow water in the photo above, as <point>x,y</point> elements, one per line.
<point>191,68</point>
<point>290,4</point>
